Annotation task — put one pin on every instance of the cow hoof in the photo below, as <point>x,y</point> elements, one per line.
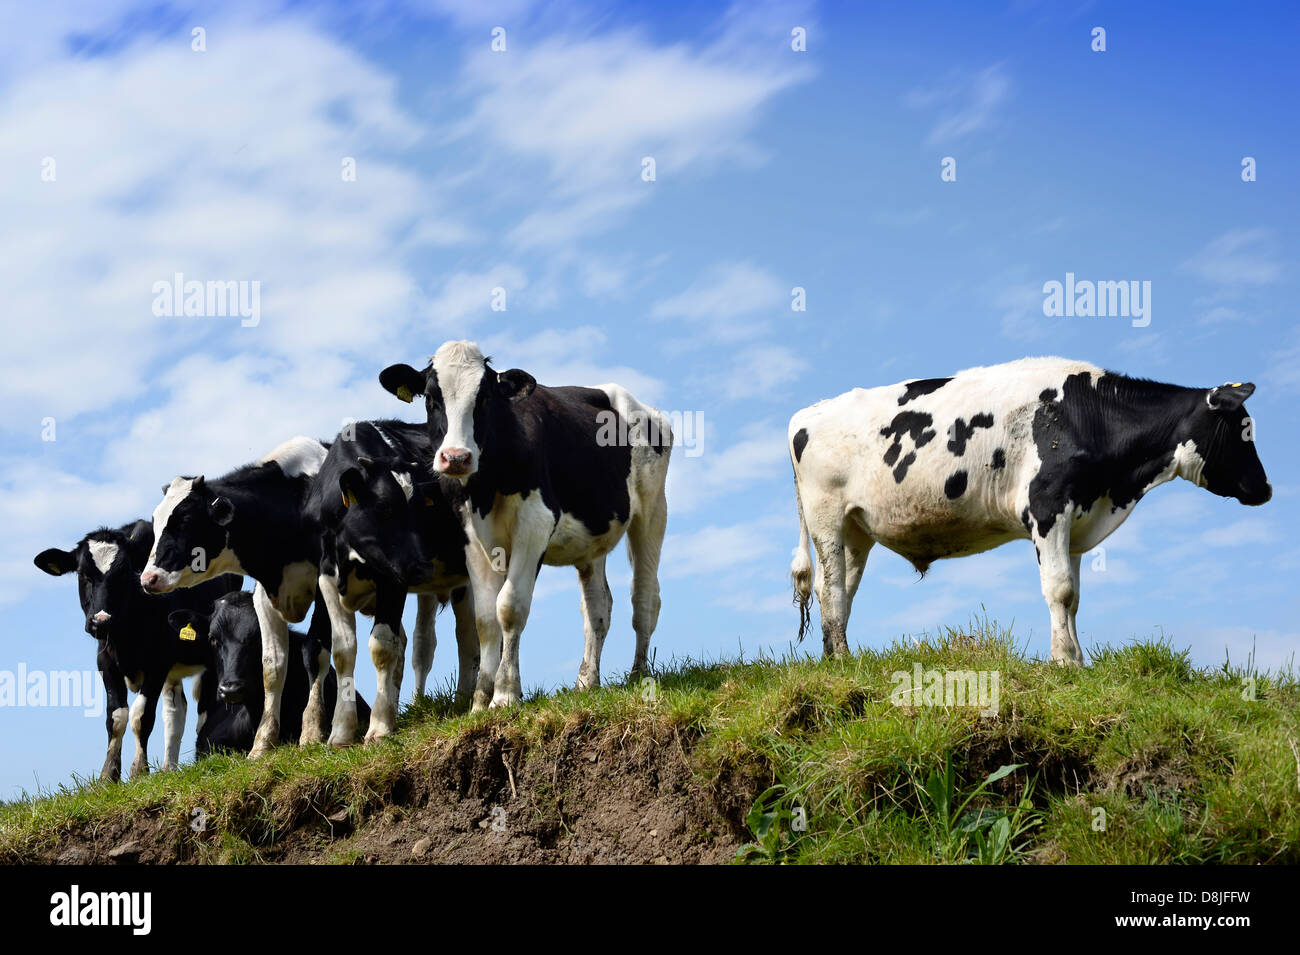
<point>169,767</point>
<point>377,733</point>
<point>503,700</point>
<point>343,738</point>
<point>139,769</point>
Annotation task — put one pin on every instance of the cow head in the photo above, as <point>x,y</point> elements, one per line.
<point>106,563</point>
<point>467,401</point>
<point>378,535</point>
<point>234,642</point>
<point>1224,439</point>
<point>189,536</point>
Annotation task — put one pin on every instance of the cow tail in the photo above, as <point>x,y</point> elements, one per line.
<point>801,569</point>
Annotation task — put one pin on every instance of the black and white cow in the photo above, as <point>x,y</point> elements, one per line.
<point>1055,451</point>
<point>234,641</point>
<point>274,521</point>
<point>365,486</point>
<point>254,521</point>
<point>549,475</point>
<point>399,533</point>
<point>136,647</point>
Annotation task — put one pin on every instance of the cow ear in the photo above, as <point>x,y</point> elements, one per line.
<point>403,381</point>
<point>56,562</point>
<point>1229,397</point>
<point>221,510</point>
<point>516,384</point>
<point>139,542</point>
<point>179,619</point>
<point>352,483</point>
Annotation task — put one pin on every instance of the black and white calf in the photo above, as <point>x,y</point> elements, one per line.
<point>136,645</point>
<point>549,475</point>
<point>253,521</point>
<point>398,533</point>
<point>234,641</point>
<point>1055,451</point>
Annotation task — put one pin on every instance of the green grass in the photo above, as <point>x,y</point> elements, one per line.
<point>1137,758</point>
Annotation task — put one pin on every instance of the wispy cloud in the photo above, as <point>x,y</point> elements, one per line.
<point>965,105</point>
<point>1238,258</point>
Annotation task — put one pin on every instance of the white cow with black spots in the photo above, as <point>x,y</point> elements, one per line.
<point>1054,451</point>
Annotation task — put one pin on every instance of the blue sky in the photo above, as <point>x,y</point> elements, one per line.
<point>522,170</point>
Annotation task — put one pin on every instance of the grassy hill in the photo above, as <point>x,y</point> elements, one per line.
<point>1138,758</point>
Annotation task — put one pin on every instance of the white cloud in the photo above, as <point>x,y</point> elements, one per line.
<point>759,455</point>
<point>757,371</point>
<point>1239,257</point>
<point>221,166</point>
<point>728,290</point>
<point>589,109</point>
<point>713,549</point>
<point>966,105</point>
<point>466,297</point>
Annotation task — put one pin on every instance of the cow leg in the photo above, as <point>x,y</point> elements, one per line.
<point>830,582</point>
<point>314,729</point>
<point>1075,561</point>
<point>467,646</point>
<point>485,587</point>
<point>426,640</point>
<point>1057,572</point>
<point>513,603</point>
<point>343,640</point>
<point>388,652</point>
<point>143,712</point>
<point>173,707</point>
<point>313,714</point>
<point>645,541</point>
<point>857,545</point>
<point>275,667</point>
<point>597,602</point>
<point>116,718</point>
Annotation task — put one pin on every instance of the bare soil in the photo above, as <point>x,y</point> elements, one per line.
<point>615,795</point>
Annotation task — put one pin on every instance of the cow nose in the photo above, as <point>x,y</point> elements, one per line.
<point>98,624</point>
<point>455,461</point>
<point>149,580</point>
<point>230,692</point>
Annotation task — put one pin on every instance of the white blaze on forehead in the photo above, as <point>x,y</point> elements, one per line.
<point>177,491</point>
<point>459,367</point>
<point>297,456</point>
<point>103,553</point>
<point>404,481</point>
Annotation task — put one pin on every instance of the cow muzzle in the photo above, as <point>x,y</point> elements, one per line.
<point>232,693</point>
<point>97,624</point>
<point>153,582</point>
<point>455,462</point>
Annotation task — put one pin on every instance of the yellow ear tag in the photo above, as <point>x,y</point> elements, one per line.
<point>404,393</point>
<point>1235,384</point>
<point>349,499</point>
<point>188,633</point>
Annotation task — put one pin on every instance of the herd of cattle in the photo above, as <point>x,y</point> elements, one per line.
<point>507,475</point>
